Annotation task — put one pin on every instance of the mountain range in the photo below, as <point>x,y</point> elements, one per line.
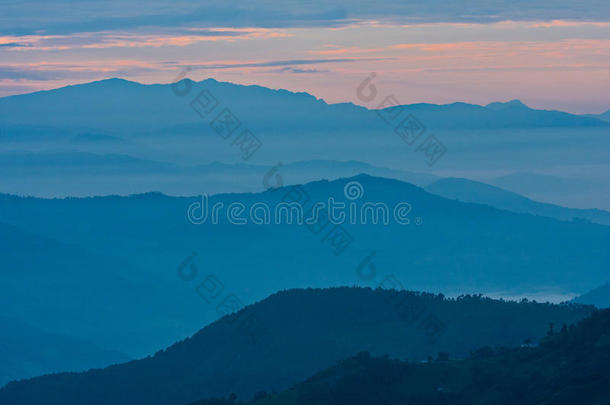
<point>295,334</point>
<point>122,105</point>
<point>118,257</point>
<point>121,266</point>
<point>69,173</point>
<point>154,126</point>
<point>472,191</point>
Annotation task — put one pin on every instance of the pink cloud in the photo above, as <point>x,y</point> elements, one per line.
<point>345,51</point>
<point>111,39</point>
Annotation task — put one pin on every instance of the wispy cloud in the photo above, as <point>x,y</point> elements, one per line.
<point>429,51</point>
<point>273,63</point>
<point>45,71</point>
<point>111,39</point>
<point>352,50</point>
<point>525,68</point>
<point>290,69</point>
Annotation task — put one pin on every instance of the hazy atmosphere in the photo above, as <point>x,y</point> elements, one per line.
<point>304,203</point>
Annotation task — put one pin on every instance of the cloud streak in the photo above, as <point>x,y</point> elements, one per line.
<point>103,40</point>
<point>274,63</point>
<point>50,16</point>
<point>290,69</point>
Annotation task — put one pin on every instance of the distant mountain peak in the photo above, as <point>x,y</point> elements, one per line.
<point>264,89</point>
<point>508,104</point>
<point>147,108</point>
<point>113,81</point>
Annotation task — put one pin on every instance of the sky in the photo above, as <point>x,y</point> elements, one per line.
<point>550,55</point>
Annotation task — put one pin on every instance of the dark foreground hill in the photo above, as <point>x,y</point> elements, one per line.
<point>291,335</point>
<point>571,366</point>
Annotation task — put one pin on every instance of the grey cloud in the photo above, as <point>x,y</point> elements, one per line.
<point>282,63</point>
<point>29,16</point>
<point>13,45</point>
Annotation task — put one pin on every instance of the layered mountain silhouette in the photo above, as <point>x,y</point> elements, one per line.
<point>137,273</point>
<point>568,190</point>
<point>67,290</point>
<point>481,193</point>
<point>117,257</point>
<point>164,124</point>
<point>121,105</point>
<point>570,366</point>
<point>297,333</point>
<point>59,173</point>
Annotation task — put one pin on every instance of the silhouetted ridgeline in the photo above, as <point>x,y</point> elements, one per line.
<point>139,137</point>
<point>473,191</point>
<point>303,331</point>
<point>117,257</point>
<point>137,107</point>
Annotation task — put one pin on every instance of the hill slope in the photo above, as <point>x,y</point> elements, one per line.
<point>60,173</point>
<point>603,116</point>
<point>61,247</point>
<point>297,333</point>
<point>448,246</point>
<point>28,352</point>
<point>600,297</point>
<point>71,291</point>
<point>472,191</point>
<point>570,367</point>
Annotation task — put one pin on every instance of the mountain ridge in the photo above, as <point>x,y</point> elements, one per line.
<point>467,190</point>
<point>222,358</point>
<point>449,246</point>
<point>117,81</point>
<point>157,102</point>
